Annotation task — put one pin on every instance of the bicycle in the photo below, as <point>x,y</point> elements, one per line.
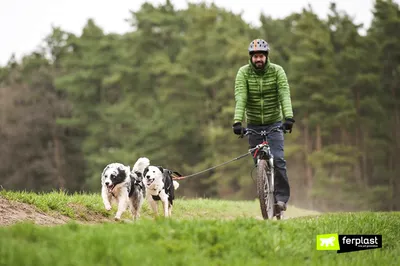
<point>265,174</point>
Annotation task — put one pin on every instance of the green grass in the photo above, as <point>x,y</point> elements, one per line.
<point>76,206</point>
<point>85,206</point>
<point>194,236</point>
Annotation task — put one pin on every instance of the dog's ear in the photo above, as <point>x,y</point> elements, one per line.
<point>145,171</point>
<point>121,171</point>
<point>176,173</point>
<point>169,172</point>
<point>105,169</point>
<point>161,169</point>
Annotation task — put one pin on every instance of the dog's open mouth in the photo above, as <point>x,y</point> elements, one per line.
<point>110,187</point>
<point>149,181</point>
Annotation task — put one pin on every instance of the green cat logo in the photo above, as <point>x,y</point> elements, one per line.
<point>328,242</point>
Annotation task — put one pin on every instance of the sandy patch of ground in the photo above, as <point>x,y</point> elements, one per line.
<point>12,212</point>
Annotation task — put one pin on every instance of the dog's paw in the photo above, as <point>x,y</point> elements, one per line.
<point>108,207</point>
<point>117,219</point>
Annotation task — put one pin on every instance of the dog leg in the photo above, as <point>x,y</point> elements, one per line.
<point>165,207</point>
<point>135,205</point>
<point>136,214</point>
<point>106,198</point>
<point>164,199</point>
<point>132,209</point>
<point>139,206</point>
<point>122,204</point>
<point>169,209</point>
<point>153,204</point>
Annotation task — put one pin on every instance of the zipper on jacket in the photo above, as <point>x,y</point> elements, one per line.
<point>262,100</point>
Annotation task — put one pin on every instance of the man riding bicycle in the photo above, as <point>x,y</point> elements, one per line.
<point>262,92</point>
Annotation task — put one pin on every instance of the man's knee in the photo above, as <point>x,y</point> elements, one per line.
<point>280,162</point>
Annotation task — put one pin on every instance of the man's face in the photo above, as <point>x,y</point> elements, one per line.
<point>259,60</point>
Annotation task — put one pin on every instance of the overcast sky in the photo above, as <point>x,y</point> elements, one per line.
<point>24,23</point>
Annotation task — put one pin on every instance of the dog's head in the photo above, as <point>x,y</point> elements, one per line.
<point>152,173</point>
<point>114,174</point>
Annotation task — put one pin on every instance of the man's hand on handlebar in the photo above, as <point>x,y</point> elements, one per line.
<point>238,129</point>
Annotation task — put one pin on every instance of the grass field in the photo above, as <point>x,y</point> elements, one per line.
<point>201,232</point>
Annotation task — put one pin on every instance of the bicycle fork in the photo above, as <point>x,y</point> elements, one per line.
<point>267,155</point>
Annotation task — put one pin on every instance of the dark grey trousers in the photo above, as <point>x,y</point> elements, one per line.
<point>276,143</point>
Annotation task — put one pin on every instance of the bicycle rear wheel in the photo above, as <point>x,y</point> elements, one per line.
<point>265,189</point>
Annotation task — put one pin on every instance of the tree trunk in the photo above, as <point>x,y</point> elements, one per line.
<point>391,183</point>
<point>345,140</point>
<point>345,136</point>
<point>359,169</point>
<point>360,138</point>
<point>396,149</point>
<point>57,158</point>
<point>364,159</point>
<point>319,138</point>
<point>307,151</point>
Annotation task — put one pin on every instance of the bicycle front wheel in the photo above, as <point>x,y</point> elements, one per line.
<point>265,189</point>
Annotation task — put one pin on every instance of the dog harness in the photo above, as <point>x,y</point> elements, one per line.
<point>167,180</point>
<point>134,181</point>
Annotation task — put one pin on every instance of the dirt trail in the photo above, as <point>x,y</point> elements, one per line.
<point>12,212</point>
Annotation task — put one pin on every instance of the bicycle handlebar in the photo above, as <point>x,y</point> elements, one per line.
<point>249,131</point>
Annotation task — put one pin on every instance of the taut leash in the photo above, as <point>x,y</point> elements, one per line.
<point>178,177</point>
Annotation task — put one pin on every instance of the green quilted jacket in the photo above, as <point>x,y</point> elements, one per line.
<point>263,95</point>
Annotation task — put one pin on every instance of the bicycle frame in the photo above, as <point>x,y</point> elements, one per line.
<point>266,173</point>
<point>262,150</point>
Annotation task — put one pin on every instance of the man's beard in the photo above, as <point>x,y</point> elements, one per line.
<point>259,64</point>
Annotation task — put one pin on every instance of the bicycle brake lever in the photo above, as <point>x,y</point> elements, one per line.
<point>283,130</point>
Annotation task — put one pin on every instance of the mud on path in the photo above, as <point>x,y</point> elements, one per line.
<point>12,212</point>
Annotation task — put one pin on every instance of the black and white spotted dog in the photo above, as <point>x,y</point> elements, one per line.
<point>124,186</point>
<point>160,187</point>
